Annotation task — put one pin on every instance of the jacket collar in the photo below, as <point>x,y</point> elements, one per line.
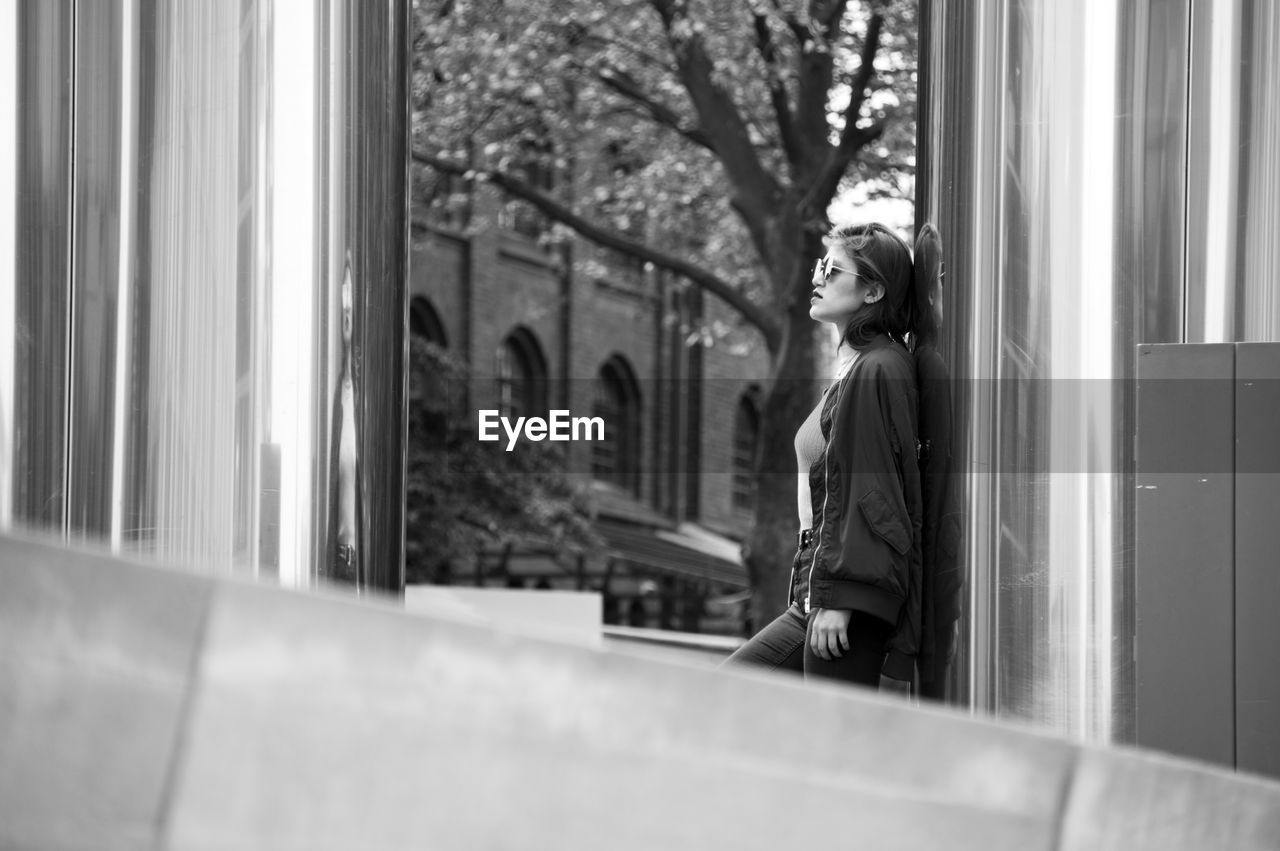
<point>879,341</point>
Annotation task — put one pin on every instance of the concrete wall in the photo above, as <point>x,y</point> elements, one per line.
<point>142,707</point>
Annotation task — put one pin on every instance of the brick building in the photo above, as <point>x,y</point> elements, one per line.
<point>669,484</point>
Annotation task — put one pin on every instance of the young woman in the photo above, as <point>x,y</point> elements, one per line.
<point>853,611</point>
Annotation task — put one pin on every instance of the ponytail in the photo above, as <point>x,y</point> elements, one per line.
<point>928,267</point>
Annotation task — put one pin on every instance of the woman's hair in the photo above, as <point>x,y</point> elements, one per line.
<point>880,255</point>
<point>928,266</point>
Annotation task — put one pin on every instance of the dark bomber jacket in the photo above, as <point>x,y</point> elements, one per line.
<point>866,500</point>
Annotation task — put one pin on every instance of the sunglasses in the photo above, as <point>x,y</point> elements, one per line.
<point>823,268</point>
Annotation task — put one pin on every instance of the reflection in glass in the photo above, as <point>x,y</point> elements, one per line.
<point>1030,103</point>
<point>1233,184</point>
<point>206,357</point>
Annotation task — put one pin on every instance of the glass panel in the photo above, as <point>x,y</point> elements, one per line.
<point>210,322</point>
<point>1233,212</point>
<point>1055,140</point>
<point>36,277</point>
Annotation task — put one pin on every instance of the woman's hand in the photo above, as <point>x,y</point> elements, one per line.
<point>829,634</point>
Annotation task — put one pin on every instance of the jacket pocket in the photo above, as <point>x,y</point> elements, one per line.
<point>885,521</point>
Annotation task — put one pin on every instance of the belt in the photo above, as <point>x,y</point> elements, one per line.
<point>804,538</point>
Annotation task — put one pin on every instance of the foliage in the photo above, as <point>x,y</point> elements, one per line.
<point>463,496</point>
<point>592,97</point>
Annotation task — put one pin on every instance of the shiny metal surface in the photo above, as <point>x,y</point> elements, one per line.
<point>1233,167</point>
<point>8,248</point>
<point>101,136</point>
<point>35,279</point>
<point>369,103</point>
<point>185,380</point>
<point>1150,196</point>
<point>226,265</point>
<point>1056,135</point>
<point>1152,123</point>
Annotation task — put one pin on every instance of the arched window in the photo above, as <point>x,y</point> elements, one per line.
<point>616,459</point>
<point>522,376</point>
<point>426,386</point>
<point>746,440</point>
<point>425,323</point>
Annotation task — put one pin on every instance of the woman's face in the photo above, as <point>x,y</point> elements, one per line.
<point>840,292</point>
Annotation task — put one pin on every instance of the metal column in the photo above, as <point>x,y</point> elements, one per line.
<point>205,286</point>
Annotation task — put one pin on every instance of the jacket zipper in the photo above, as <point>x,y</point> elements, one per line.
<point>826,494</point>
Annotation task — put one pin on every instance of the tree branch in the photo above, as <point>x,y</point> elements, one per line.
<point>799,30</point>
<point>765,322</point>
<point>755,189</point>
<point>866,69</point>
<point>814,79</point>
<point>644,56</point>
<point>852,137</point>
<point>828,18</point>
<point>624,84</point>
<point>777,91</point>
<point>824,188</point>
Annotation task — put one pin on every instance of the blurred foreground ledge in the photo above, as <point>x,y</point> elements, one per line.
<point>148,707</point>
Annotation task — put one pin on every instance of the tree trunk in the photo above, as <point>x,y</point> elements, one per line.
<point>792,393</point>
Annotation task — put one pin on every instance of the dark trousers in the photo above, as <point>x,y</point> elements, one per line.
<point>784,645</point>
